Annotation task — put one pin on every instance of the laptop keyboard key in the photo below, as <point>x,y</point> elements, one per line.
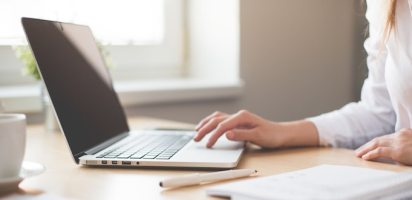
<point>149,157</point>
<point>123,156</point>
<point>108,156</point>
<point>136,157</point>
<point>162,158</point>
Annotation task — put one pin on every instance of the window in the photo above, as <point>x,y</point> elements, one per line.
<point>114,22</point>
<point>188,50</point>
<point>143,37</point>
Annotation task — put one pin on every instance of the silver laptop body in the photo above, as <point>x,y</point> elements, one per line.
<point>90,114</point>
<point>225,154</point>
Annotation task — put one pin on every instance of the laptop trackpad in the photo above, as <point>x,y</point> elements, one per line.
<point>222,144</point>
<point>223,151</point>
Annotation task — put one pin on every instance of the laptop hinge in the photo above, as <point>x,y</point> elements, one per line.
<point>101,146</point>
<point>77,156</point>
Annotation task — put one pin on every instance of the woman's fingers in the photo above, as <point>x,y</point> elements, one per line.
<point>371,145</point>
<point>208,127</point>
<point>208,118</point>
<point>239,119</point>
<point>380,152</point>
<point>383,141</point>
<point>242,134</point>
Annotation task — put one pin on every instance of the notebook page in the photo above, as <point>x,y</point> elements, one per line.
<point>321,182</point>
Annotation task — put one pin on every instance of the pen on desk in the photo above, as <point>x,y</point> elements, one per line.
<point>195,179</point>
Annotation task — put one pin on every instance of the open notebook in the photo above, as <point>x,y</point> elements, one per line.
<point>322,182</point>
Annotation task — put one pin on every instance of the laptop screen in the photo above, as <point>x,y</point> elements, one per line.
<point>78,82</point>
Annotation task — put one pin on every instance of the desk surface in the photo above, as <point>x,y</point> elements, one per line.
<point>64,178</point>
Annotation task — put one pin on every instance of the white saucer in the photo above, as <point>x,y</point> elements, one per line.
<point>28,169</point>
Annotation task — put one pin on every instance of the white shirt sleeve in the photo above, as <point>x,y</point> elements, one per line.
<point>357,123</point>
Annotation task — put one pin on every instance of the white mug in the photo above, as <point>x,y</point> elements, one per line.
<point>12,144</point>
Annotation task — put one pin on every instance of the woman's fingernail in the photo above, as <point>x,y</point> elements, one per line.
<point>230,135</point>
<point>196,138</point>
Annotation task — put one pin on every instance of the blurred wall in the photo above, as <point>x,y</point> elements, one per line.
<point>298,58</point>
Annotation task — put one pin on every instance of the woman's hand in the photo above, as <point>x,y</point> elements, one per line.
<point>242,126</point>
<point>246,126</point>
<point>396,146</point>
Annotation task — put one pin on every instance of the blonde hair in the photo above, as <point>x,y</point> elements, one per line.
<point>390,24</point>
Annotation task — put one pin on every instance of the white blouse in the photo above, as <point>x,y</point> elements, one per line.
<point>386,101</point>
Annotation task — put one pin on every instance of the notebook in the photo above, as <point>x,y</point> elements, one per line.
<point>322,182</point>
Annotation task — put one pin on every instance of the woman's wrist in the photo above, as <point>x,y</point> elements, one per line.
<point>298,133</point>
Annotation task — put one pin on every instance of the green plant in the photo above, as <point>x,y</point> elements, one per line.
<point>106,55</point>
<point>24,54</point>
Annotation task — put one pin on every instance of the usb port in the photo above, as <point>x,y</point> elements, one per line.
<point>126,163</point>
<point>104,162</point>
<point>114,162</point>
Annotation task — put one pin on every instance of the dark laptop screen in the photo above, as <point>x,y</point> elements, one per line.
<point>78,82</point>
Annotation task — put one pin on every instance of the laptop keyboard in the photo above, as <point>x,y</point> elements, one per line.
<point>161,147</point>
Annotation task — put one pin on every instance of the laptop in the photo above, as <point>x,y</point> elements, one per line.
<point>91,117</point>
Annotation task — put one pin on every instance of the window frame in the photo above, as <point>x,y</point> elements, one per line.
<point>138,62</point>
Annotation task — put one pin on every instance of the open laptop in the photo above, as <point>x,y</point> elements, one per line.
<point>90,114</point>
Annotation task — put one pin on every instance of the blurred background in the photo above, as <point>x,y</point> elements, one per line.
<point>184,59</point>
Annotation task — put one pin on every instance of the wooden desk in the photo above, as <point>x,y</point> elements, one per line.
<point>63,177</point>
